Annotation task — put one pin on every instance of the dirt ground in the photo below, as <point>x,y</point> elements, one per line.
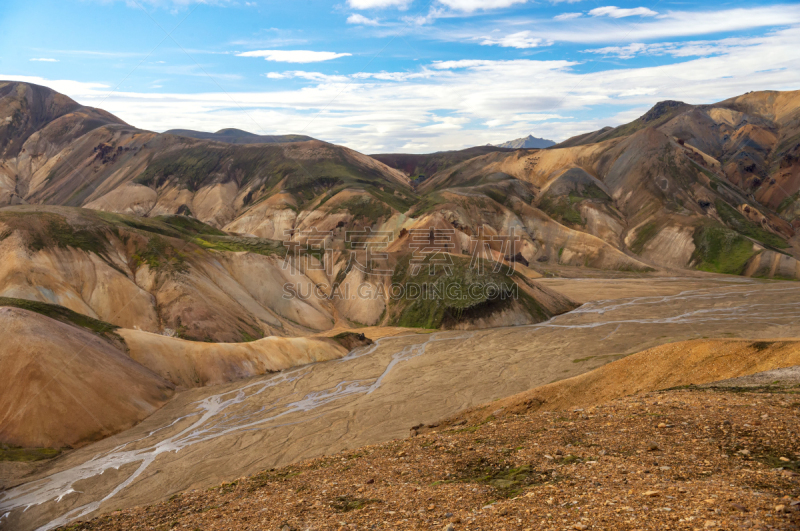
<point>683,459</point>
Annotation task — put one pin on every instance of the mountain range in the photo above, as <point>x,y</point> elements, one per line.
<point>705,187</point>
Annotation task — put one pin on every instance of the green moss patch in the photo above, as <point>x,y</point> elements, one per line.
<point>59,313</point>
<point>345,504</point>
<point>267,477</point>
<point>721,250</point>
<point>27,455</point>
<point>435,293</point>
<point>562,209</point>
<point>237,244</point>
<point>365,208</point>
<point>645,233</point>
<point>507,479</point>
<point>47,230</point>
<point>159,255</point>
<point>189,167</point>
<point>734,219</point>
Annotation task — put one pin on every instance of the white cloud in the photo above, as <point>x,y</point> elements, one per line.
<point>73,89</point>
<point>175,4</point>
<point>567,16</point>
<point>44,59</point>
<point>310,76</point>
<point>617,12</point>
<point>677,49</point>
<point>521,39</point>
<point>421,20</point>
<point>378,4</point>
<point>668,25</point>
<point>473,5</point>
<point>362,20</point>
<point>393,76</point>
<point>524,118</point>
<point>293,56</point>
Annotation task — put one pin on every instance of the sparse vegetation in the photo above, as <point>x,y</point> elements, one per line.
<point>190,168</point>
<point>65,315</point>
<point>46,229</point>
<point>345,504</point>
<point>742,225</point>
<point>644,234</point>
<point>507,480</point>
<point>27,455</point>
<point>238,244</point>
<point>438,292</point>
<point>562,208</point>
<point>161,256</point>
<point>721,250</point>
<point>364,208</point>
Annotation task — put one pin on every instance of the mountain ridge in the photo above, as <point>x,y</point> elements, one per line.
<point>238,136</point>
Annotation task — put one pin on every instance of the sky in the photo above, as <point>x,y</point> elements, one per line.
<point>398,75</point>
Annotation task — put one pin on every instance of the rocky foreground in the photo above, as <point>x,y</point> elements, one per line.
<point>718,458</point>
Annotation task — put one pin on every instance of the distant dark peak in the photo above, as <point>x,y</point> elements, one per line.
<point>661,108</point>
<point>234,132</point>
<point>528,142</point>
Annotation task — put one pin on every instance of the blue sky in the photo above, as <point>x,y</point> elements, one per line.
<point>398,75</point>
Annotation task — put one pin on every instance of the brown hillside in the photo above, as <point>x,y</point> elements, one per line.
<point>684,363</point>
<point>64,386</point>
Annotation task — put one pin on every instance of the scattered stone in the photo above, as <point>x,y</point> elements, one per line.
<point>653,447</point>
<point>374,488</point>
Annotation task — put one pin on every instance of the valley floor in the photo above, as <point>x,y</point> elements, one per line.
<point>206,436</point>
<point>684,459</point>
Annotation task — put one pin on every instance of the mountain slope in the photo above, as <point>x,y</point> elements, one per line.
<point>754,138</point>
<point>67,386</point>
<point>172,275</point>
